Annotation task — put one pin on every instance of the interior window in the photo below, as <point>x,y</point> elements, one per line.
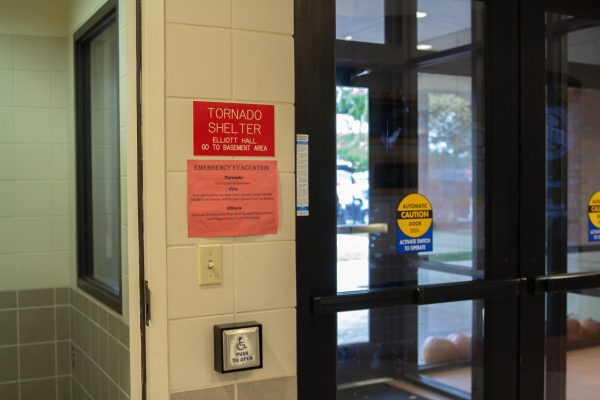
<point>98,169</point>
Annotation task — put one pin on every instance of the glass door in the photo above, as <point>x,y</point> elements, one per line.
<point>409,87</point>
<point>449,248</point>
<point>561,170</point>
<point>408,277</point>
<point>573,202</point>
<point>566,100</point>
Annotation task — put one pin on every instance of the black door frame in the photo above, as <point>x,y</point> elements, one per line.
<point>515,284</point>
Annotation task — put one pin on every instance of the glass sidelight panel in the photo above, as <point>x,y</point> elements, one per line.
<point>573,197</point>
<point>415,352</point>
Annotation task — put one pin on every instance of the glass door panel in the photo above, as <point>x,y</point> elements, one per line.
<point>573,356</point>
<point>572,195</point>
<point>409,119</point>
<point>429,359</point>
<point>573,140</point>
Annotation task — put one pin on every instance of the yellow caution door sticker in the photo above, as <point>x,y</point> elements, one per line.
<point>414,229</point>
<point>594,218</point>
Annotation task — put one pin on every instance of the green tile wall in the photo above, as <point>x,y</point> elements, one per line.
<point>100,345</point>
<point>57,344</point>
<point>35,345</point>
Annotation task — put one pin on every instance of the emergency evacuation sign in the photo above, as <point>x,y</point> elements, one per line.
<point>234,129</point>
<point>414,230</point>
<point>594,218</point>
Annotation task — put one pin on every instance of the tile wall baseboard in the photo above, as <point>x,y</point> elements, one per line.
<point>56,344</point>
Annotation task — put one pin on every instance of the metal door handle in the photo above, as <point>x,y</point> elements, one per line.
<point>371,228</point>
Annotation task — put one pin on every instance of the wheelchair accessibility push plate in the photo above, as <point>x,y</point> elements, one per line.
<point>238,346</point>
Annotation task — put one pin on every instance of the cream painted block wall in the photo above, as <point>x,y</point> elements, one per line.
<point>235,51</point>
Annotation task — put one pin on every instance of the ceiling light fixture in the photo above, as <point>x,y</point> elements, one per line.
<point>362,73</point>
<point>424,46</point>
<point>348,37</point>
<point>421,14</point>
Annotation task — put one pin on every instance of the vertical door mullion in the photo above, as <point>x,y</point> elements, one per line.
<point>533,199</point>
<point>316,259</point>
<point>502,196</point>
<point>479,186</point>
<point>557,204</point>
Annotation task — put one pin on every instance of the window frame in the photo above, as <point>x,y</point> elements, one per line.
<point>91,29</point>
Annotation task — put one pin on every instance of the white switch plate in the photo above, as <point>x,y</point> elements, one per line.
<point>210,265</point>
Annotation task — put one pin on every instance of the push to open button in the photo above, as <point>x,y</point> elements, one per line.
<point>238,346</point>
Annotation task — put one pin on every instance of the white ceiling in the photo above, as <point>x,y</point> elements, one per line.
<point>584,46</point>
<point>45,17</point>
<point>34,17</point>
<point>363,20</point>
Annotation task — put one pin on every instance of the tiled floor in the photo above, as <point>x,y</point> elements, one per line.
<point>583,370</point>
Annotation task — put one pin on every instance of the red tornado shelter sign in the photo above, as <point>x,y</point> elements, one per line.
<point>234,129</point>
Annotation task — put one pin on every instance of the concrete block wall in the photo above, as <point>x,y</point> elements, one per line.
<point>234,51</point>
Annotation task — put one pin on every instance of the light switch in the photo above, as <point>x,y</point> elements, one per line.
<point>210,265</point>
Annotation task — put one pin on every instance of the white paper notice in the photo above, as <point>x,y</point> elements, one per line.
<point>302,206</point>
